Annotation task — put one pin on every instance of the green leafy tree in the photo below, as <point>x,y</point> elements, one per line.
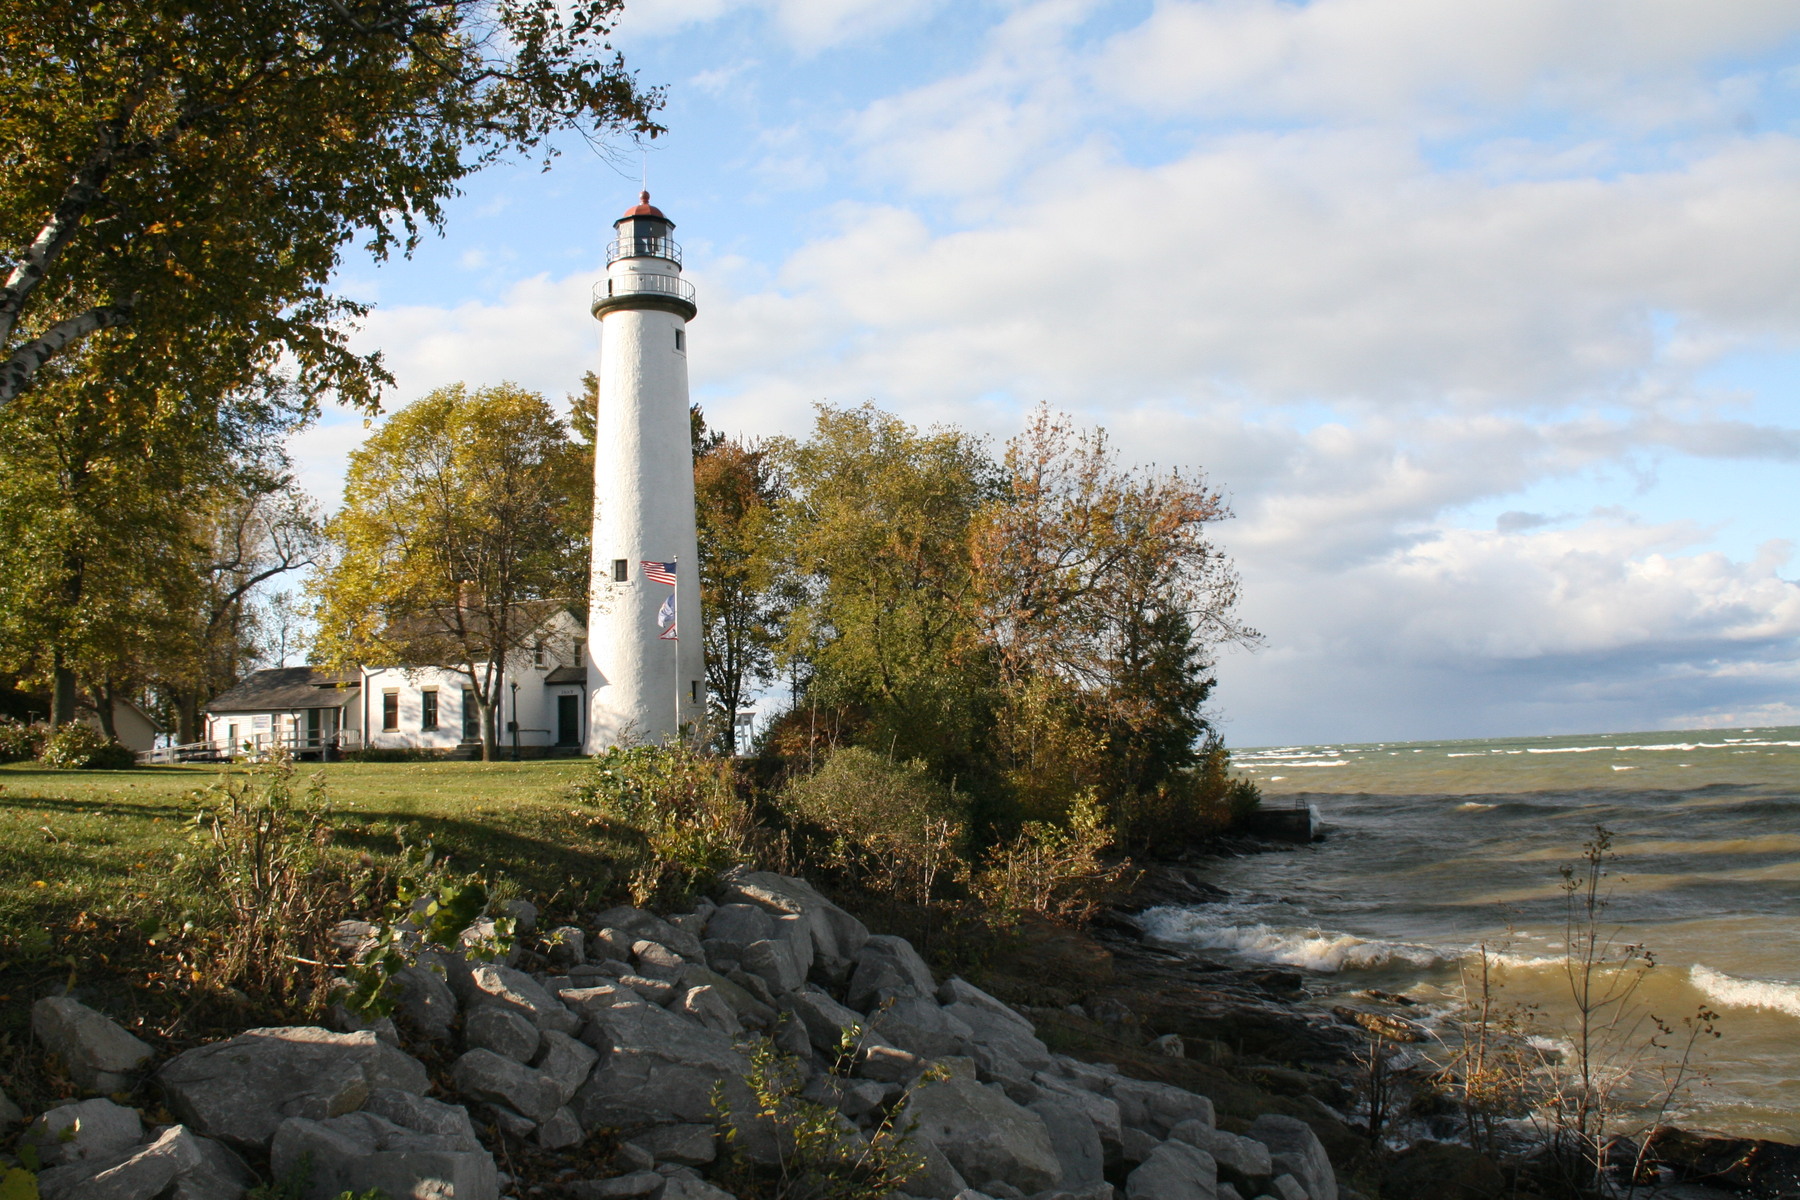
<point>464,506</point>
<point>874,539</point>
<point>737,492</point>
<point>192,172</point>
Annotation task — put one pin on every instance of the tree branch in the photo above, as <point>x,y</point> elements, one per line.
<point>22,365</point>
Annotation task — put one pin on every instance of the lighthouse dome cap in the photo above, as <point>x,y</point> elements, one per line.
<point>643,208</point>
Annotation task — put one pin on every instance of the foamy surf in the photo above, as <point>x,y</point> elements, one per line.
<point>1731,992</point>
<point>1324,951</point>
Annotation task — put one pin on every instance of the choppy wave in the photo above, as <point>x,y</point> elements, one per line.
<point>1732,992</point>
<point>1326,951</point>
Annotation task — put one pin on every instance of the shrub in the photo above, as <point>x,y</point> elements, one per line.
<point>1196,803</point>
<point>20,742</point>
<point>79,746</point>
<point>678,811</point>
<point>1055,871</point>
<point>886,826</point>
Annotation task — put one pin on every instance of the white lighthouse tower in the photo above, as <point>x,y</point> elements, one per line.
<point>646,674</point>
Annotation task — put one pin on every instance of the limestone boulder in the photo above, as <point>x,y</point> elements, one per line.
<point>566,1062</point>
<point>835,934</point>
<point>566,946</point>
<point>99,1054</point>
<point>983,1134</point>
<point>360,1151</point>
<point>1174,1171</point>
<point>1157,1108</point>
<point>89,1131</point>
<point>512,989</point>
<point>560,1132</point>
<point>887,968</point>
<point>1074,1139</point>
<point>506,1031</point>
<point>655,1067</point>
<point>750,1010</point>
<point>733,926</point>
<point>178,1164</point>
<point>239,1091</point>
<point>486,1076</point>
<point>826,1020</point>
<point>1294,1149</point>
<point>1102,1112</point>
<point>919,1024</point>
<point>421,1114</point>
<point>424,999</point>
<point>707,1006</point>
<point>689,1144</point>
<point>638,925</point>
<point>657,961</point>
<point>10,1114</point>
<point>781,963</point>
<point>1245,1158</point>
<point>585,1001</point>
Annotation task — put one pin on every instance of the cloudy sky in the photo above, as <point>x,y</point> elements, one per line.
<point>1486,317</point>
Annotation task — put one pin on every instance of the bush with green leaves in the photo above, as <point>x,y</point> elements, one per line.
<point>79,746</point>
<point>886,826</point>
<point>806,1150</point>
<point>677,813</point>
<point>20,742</point>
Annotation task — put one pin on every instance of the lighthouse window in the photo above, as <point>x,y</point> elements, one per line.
<point>681,339</point>
<point>618,570</point>
<point>694,690</point>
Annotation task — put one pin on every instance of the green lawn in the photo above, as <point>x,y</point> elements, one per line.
<point>95,861</point>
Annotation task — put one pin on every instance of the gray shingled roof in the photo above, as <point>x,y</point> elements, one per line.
<point>566,675</point>
<point>281,688</point>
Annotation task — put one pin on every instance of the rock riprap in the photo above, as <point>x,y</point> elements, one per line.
<point>640,1026</point>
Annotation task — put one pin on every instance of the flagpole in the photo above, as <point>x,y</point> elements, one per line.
<point>676,626</point>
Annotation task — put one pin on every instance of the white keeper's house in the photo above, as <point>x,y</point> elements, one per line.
<point>314,712</point>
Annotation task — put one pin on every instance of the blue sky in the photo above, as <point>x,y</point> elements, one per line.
<point>1487,317</point>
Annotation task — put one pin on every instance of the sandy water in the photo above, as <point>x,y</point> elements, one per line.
<point>1435,848</point>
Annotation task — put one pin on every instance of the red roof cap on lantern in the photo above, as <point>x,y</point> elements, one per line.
<point>643,208</point>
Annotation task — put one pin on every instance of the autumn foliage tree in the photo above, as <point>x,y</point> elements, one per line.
<point>737,493</point>
<point>460,510</point>
<point>192,172</point>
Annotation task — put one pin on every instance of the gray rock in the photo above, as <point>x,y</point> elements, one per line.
<point>691,1144</point>
<point>655,1067</point>
<point>422,1114</point>
<point>1074,1138</point>
<point>566,1062</point>
<point>1170,1045</point>
<point>887,1064</point>
<point>560,1132</point>
<point>88,1131</point>
<point>360,1151</point>
<point>957,990</point>
<point>1174,1171</point>
<point>1295,1150</point>
<point>647,1185</point>
<point>707,1006</point>
<point>1101,1111</point>
<point>343,1020</point>
<point>1136,1145</point>
<point>688,1187</point>
<point>1009,1037</point>
<point>508,988</point>
<point>749,1009</point>
<point>985,1135</point>
<point>656,991</point>
<point>826,1021</point>
<point>1157,1108</point>
<point>567,946</point>
<point>657,961</point>
<point>834,932</point>
<point>1090,1191</point>
<point>513,1125</point>
<point>484,1075</point>
<point>640,925</point>
<point>99,1054</point>
<point>585,1001</point>
<point>241,1090</point>
<point>790,1038</point>
<point>782,963</point>
<point>10,1113</point>
<point>177,1163</point>
<point>1228,1192</point>
<point>425,999</point>
<point>506,1031</point>
<point>887,968</point>
<point>524,914</point>
<point>752,984</point>
<point>611,943</point>
<point>734,926</point>
<point>937,1179</point>
<point>1244,1156</point>
<point>1286,1187</point>
<point>635,1158</point>
<point>918,1024</point>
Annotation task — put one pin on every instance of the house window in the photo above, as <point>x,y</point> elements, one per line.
<point>231,736</point>
<point>428,709</point>
<point>680,339</point>
<point>537,654</point>
<point>618,570</point>
<point>390,711</point>
<point>471,717</point>
<point>580,651</point>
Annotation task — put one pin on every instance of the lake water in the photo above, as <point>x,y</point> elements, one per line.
<point>1434,848</point>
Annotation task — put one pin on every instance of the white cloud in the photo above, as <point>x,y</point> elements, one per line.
<point>807,25</point>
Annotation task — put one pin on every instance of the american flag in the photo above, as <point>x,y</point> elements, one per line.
<point>659,572</point>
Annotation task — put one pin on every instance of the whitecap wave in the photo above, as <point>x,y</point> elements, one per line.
<point>1474,806</point>
<point>1732,992</point>
<point>1325,951</point>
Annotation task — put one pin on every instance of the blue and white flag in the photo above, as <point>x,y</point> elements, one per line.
<point>665,616</point>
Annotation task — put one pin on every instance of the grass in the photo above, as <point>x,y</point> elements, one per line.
<point>97,890</point>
